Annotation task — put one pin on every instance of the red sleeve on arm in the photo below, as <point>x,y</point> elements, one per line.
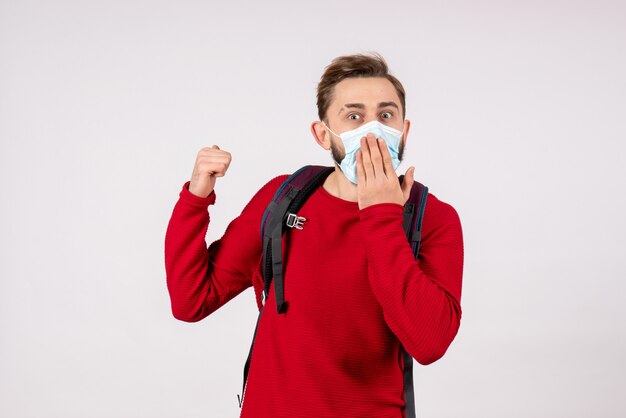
<point>420,299</point>
<point>201,280</point>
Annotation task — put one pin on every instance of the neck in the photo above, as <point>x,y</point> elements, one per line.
<point>339,186</point>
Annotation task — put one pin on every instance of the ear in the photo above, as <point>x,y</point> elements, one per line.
<point>321,134</point>
<point>407,127</point>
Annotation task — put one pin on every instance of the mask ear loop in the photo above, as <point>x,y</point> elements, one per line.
<point>331,131</point>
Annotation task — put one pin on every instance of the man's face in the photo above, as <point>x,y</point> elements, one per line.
<point>358,101</point>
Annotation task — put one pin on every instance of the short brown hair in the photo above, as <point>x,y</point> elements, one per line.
<point>347,66</point>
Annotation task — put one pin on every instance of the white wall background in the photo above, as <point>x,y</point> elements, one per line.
<point>519,121</point>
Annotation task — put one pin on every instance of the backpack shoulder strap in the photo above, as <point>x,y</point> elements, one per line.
<point>413,217</point>
<point>281,213</point>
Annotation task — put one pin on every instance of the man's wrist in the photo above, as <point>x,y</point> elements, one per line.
<point>195,200</point>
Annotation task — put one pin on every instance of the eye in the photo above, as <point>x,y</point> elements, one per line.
<point>354,116</point>
<point>386,115</point>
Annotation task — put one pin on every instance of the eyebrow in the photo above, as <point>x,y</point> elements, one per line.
<point>362,106</point>
<point>388,104</point>
<point>351,106</point>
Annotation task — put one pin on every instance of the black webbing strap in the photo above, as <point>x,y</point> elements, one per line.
<point>409,390</point>
<point>272,239</point>
<point>246,368</point>
<point>409,209</point>
<point>277,268</point>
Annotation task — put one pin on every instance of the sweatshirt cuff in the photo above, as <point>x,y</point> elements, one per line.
<point>194,200</point>
<point>386,210</point>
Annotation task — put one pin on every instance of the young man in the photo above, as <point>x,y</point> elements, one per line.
<point>356,293</point>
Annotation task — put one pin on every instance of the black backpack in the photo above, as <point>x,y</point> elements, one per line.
<point>282,212</point>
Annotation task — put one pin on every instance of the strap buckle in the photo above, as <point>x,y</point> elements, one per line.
<point>295,221</point>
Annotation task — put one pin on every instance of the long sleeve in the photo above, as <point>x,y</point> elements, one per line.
<point>420,299</point>
<point>201,280</point>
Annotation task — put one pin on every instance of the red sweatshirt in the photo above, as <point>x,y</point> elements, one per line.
<point>355,294</point>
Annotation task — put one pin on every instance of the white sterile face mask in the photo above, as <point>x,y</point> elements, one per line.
<point>352,143</point>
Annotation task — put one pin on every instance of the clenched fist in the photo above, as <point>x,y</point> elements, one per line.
<point>211,163</point>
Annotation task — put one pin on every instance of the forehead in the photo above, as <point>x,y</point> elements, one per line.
<point>366,90</point>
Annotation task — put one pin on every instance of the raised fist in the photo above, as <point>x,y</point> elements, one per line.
<point>211,163</point>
